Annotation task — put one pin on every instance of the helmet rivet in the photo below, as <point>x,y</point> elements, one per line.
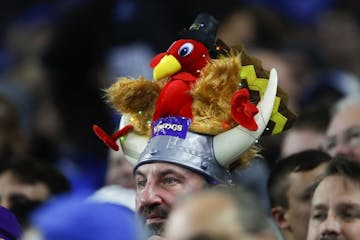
<point>153,152</point>
<point>204,165</point>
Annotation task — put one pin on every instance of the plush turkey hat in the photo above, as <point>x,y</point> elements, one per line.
<point>205,154</point>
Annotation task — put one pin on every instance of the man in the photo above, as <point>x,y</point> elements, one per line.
<point>220,213</point>
<point>197,149</point>
<point>119,170</point>
<point>335,205</point>
<point>343,132</point>
<point>289,188</point>
<point>27,183</point>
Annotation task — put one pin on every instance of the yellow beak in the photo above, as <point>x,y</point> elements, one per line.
<point>167,66</point>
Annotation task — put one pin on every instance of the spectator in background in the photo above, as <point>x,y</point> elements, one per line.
<point>120,183</point>
<point>307,132</point>
<point>343,132</point>
<point>25,184</point>
<point>119,170</point>
<point>12,139</point>
<point>335,203</point>
<point>220,213</point>
<point>289,188</point>
<point>10,228</point>
<point>73,217</point>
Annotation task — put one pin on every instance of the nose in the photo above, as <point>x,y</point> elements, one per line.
<point>342,149</point>
<point>330,227</point>
<point>149,195</point>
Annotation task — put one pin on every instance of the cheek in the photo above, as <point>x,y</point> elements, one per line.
<point>312,232</point>
<point>169,197</point>
<point>351,230</point>
<point>300,212</point>
<point>357,152</point>
<point>137,202</point>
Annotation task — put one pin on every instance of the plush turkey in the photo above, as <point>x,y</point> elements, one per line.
<point>182,63</point>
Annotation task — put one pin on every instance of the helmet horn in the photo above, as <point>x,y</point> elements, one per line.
<point>230,145</point>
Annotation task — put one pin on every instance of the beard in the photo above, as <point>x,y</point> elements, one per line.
<point>156,229</point>
<point>159,211</point>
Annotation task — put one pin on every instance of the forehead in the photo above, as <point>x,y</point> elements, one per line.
<point>348,117</point>
<point>158,168</point>
<point>307,177</point>
<point>334,190</point>
<point>7,177</point>
<point>300,139</point>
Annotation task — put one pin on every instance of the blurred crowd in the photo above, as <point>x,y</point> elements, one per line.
<point>57,57</point>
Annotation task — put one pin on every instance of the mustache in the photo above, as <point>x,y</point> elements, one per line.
<point>332,237</point>
<point>156,210</point>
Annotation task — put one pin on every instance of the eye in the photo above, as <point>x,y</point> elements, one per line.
<point>347,215</point>
<point>329,144</point>
<point>140,183</point>
<point>185,49</point>
<point>319,216</point>
<point>353,137</point>
<point>170,181</point>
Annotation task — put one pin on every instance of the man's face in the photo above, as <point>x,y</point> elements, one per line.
<point>299,194</point>
<point>157,187</point>
<point>335,210</point>
<point>212,215</point>
<point>343,134</point>
<point>9,187</point>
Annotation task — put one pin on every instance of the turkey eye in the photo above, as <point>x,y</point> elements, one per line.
<point>185,49</point>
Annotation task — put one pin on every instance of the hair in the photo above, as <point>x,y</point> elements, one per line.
<point>252,217</point>
<point>303,161</point>
<point>32,172</point>
<point>314,117</point>
<point>341,166</point>
<point>344,102</point>
<point>247,212</point>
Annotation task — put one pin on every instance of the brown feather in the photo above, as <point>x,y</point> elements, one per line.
<point>135,97</point>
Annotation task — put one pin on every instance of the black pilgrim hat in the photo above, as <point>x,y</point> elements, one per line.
<point>204,30</point>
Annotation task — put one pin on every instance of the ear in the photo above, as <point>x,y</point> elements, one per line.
<point>279,215</point>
